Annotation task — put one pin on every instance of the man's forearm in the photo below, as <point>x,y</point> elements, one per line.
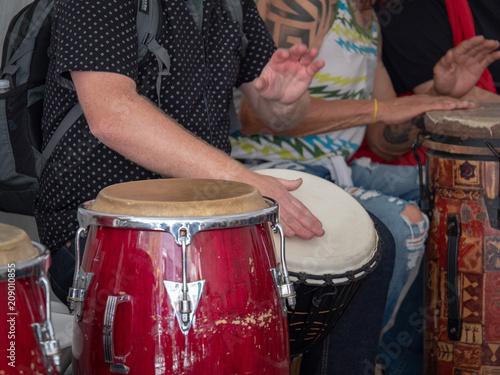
<point>280,117</point>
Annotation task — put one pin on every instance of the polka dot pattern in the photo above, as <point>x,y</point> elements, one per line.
<point>100,35</point>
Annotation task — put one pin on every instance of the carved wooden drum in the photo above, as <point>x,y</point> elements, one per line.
<point>27,343</point>
<point>179,276</point>
<point>462,260</point>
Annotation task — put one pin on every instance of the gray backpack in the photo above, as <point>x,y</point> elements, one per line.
<point>24,68</point>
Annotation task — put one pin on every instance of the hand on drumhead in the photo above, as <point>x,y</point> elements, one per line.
<point>399,110</point>
<point>461,67</point>
<point>295,218</point>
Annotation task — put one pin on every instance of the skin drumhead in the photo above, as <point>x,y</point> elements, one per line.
<point>15,245</point>
<point>179,197</point>
<point>350,238</point>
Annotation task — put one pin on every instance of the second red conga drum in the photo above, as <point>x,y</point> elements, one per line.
<point>27,343</point>
<point>177,278</point>
<point>462,260</point>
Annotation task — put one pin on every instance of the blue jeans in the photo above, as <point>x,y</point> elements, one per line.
<point>392,180</point>
<point>351,348</point>
<point>401,347</point>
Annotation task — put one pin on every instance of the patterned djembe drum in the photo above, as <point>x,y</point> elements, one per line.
<point>462,260</point>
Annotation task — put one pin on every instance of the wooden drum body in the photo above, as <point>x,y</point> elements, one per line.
<point>27,343</point>
<point>462,260</point>
<point>214,238</point>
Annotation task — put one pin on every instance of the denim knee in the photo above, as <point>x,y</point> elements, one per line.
<point>409,238</point>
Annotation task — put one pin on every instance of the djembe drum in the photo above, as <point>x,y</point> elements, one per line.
<point>328,270</point>
<point>179,276</point>
<point>462,260</point>
<point>27,343</point>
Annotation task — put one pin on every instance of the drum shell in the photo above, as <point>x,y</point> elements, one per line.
<point>465,186</point>
<point>28,309</point>
<point>239,311</point>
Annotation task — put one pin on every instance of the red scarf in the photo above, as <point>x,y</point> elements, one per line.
<point>462,25</point>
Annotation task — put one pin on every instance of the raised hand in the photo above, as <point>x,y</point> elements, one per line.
<point>288,74</point>
<point>459,69</point>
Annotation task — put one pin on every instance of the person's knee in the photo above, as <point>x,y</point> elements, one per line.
<point>413,214</point>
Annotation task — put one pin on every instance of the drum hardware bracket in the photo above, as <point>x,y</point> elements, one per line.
<point>454,320</point>
<point>276,275</point>
<point>117,364</point>
<point>45,334</point>
<point>492,149</point>
<point>184,296</point>
<point>286,288</point>
<point>175,293</point>
<point>77,293</point>
<point>425,195</point>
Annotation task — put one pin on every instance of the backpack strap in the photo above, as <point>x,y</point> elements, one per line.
<point>149,22</point>
<point>235,11</point>
<point>11,68</point>
<point>63,127</point>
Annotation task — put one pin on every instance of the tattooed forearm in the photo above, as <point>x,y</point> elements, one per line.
<point>299,21</point>
<point>398,134</point>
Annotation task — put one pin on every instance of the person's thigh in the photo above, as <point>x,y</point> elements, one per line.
<point>395,180</point>
<point>351,348</point>
<point>409,239</point>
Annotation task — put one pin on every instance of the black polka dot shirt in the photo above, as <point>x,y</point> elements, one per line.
<point>101,35</point>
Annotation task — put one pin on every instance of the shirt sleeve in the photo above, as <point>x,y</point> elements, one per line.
<point>260,44</point>
<point>415,35</point>
<point>97,35</point>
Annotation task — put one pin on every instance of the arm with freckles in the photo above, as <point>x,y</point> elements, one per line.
<point>115,113</point>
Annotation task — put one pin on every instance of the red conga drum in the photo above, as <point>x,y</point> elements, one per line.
<point>462,260</point>
<point>27,339</point>
<point>179,276</point>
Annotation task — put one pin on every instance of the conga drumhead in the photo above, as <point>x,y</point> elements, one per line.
<point>15,245</point>
<point>350,239</point>
<point>179,197</point>
<point>457,126</point>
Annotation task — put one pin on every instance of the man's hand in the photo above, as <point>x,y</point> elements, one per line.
<point>295,218</point>
<point>288,74</point>
<point>460,68</point>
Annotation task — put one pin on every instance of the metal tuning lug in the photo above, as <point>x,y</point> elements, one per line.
<point>81,280</point>
<point>77,293</point>
<point>45,335</point>
<point>286,288</point>
<point>184,296</point>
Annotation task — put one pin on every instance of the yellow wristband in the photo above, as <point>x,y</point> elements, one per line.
<point>375,113</point>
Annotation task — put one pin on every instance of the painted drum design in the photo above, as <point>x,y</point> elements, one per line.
<point>462,260</point>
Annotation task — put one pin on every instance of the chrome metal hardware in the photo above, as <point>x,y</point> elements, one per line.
<point>117,363</point>
<point>286,289</point>
<point>184,296</point>
<point>276,275</point>
<point>77,293</point>
<point>45,334</point>
<point>81,280</point>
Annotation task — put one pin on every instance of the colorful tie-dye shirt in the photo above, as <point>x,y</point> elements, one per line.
<point>350,54</point>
